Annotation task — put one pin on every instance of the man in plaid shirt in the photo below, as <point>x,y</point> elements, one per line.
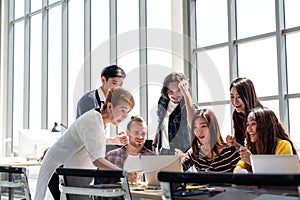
<point>128,157</point>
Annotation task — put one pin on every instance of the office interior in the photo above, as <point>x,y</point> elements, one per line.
<point>52,52</point>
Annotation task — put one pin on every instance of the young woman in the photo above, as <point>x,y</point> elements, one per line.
<point>265,135</point>
<point>243,98</point>
<point>208,151</point>
<point>83,144</point>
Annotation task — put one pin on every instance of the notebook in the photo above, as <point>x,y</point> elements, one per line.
<point>275,164</point>
<point>153,164</point>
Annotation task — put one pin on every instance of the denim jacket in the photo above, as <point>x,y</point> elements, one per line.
<point>178,129</point>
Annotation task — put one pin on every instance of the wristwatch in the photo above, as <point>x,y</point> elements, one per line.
<point>154,145</point>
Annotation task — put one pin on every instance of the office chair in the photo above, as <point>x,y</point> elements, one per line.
<point>79,184</point>
<point>14,178</point>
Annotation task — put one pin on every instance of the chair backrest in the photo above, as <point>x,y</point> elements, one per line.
<point>14,178</point>
<point>79,184</point>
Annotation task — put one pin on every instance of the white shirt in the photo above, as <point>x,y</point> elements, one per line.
<point>165,136</point>
<point>78,147</point>
<point>133,163</point>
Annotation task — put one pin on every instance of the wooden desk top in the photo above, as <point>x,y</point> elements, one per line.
<point>17,162</point>
<point>147,194</point>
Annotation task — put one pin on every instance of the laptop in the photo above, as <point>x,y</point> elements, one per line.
<point>275,164</point>
<point>151,165</point>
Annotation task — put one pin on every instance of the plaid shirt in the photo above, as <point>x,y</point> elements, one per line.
<point>118,156</point>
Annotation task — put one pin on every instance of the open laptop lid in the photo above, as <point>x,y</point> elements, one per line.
<point>153,164</point>
<point>275,164</point>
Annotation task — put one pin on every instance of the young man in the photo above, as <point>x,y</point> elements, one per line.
<point>175,113</point>
<point>111,76</point>
<point>128,157</point>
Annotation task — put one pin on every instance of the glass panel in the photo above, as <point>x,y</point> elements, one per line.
<point>294,105</point>
<point>19,8</point>
<point>293,61</point>
<point>159,14</point>
<point>292,14</point>
<point>258,62</point>
<point>255,17</point>
<point>76,54</point>
<point>100,40</point>
<point>130,64</point>
<point>35,5</point>
<point>158,61</point>
<point>213,75</point>
<point>214,30</point>
<point>52,1</point>
<point>35,72</point>
<point>18,77</point>
<point>54,71</point>
<point>127,21</point>
<point>273,105</point>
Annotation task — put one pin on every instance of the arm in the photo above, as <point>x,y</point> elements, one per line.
<point>155,141</point>
<point>190,109</point>
<point>119,139</point>
<point>101,163</point>
<point>85,104</point>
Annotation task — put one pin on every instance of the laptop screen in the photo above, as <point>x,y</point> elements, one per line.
<point>275,164</point>
<point>153,164</point>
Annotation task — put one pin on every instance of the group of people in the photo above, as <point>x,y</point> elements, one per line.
<point>183,129</point>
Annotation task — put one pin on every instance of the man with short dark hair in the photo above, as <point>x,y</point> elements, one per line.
<point>111,76</point>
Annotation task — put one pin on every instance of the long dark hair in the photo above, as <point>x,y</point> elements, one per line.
<point>246,90</point>
<point>216,139</point>
<point>268,130</point>
<point>173,77</point>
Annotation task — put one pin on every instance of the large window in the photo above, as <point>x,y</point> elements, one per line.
<point>260,41</point>
<point>59,49</point>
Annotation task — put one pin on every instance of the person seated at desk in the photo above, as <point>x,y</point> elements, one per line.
<point>265,135</point>
<point>128,156</point>
<point>208,151</point>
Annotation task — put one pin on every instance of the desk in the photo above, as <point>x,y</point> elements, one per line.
<point>147,194</point>
<point>269,184</point>
<point>32,169</point>
<point>17,162</point>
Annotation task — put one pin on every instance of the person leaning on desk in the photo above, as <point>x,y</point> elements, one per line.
<point>83,144</point>
<point>264,135</point>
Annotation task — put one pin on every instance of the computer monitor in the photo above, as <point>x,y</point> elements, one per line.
<point>32,143</point>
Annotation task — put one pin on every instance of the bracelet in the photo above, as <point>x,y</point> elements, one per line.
<point>154,145</point>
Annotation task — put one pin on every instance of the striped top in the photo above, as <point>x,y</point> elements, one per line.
<point>225,162</point>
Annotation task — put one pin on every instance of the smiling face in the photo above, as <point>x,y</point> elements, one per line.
<point>251,129</point>
<point>174,93</point>
<point>236,100</point>
<point>201,130</point>
<point>137,134</point>
<point>119,112</point>
<point>112,82</point>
